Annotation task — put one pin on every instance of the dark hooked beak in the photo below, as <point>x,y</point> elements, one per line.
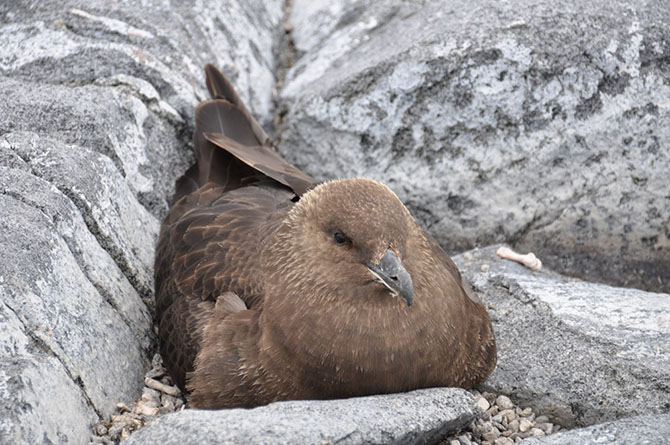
<point>390,272</point>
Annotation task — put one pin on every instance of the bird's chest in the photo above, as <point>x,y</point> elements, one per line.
<point>352,359</point>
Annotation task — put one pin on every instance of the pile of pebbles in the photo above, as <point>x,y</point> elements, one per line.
<point>160,396</point>
<point>501,423</point>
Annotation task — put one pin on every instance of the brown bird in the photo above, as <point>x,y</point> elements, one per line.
<point>271,286</point>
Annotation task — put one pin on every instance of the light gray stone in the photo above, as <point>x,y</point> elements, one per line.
<point>315,22</point>
<point>504,402</point>
<point>423,416</point>
<point>95,126</point>
<point>580,353</point>
<point>537,123</point>
<point>77,42</point>
<point>122,226</point>
<point>633,430</point>
<point>66,318</point>
<point>33,380</point>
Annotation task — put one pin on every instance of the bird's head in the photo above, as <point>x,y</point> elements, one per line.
<point>349,237</point>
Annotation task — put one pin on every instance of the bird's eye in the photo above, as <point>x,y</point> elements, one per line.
<point>339,238</point>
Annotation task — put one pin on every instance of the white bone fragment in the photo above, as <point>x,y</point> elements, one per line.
<point>158,386</point>
<point>529,260</point>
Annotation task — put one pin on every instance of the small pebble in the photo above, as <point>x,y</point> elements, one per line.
<point>120,418</point>
<point>150,394</point>
<point>546,427</point>
<point>114,432</point>
<point>525,425</point>
<point>125,433</point>
<point>509,414</point>
<point>542,419</point>
<point>490,397</point>
<point>491,436</point>
<point>169,402</point>
<point>146,409</point>
<point>468,256</point>
<point>504,402</point>
<point>479,430</point>
<point>122,407</point>
<point>485,268</point>
<point>101,441</point>
<point>454,442</point>
<point>504,441</point>
<point>513,426</point>
<point>483,404</point>
<point>464,440</point>
<point>537,432</point>
<point>156,373</point>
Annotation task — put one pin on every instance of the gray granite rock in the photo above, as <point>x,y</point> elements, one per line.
<point>33,379</point>
<point>543,124</point>
<point>580,353</point>
<point>59,313</point>
<point>95,126</point>
<point>651,430</point>
<point>418,417</point>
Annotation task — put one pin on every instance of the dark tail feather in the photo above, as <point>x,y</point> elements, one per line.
<point>230,146</point>
<point>224,114</point>
<point>220,88</point>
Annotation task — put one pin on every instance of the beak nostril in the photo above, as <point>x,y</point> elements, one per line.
<point>394,277</point>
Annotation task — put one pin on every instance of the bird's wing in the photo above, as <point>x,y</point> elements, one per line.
<point>238,191</point>
<point>212,248</point>
<point>479,348</point>
<point>267,161</point>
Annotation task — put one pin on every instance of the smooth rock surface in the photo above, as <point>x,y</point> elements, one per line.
<point>651,430</point>
<point>541,123</point>
<point>418,417</point>
<point>95,126</point>
<point>580,353</point>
